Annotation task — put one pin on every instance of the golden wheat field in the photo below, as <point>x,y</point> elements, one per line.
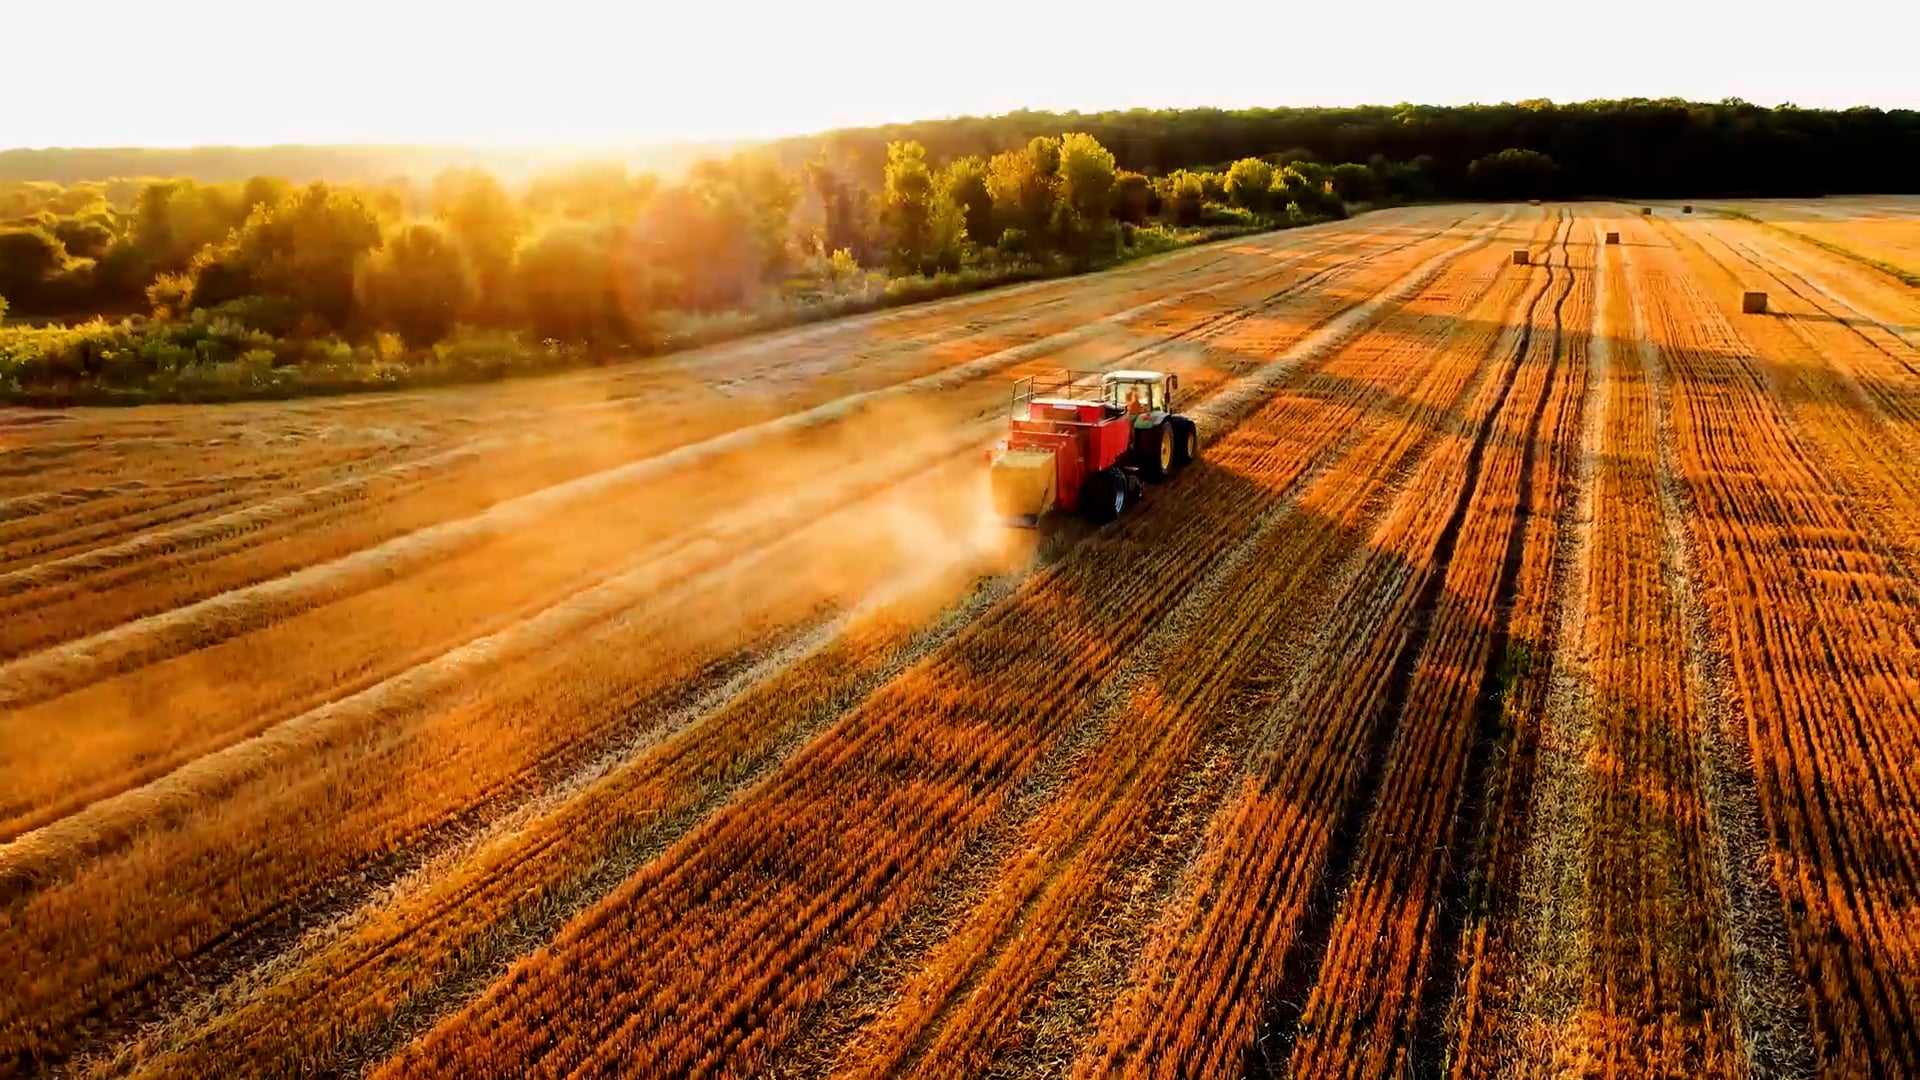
<point>1526,682</point>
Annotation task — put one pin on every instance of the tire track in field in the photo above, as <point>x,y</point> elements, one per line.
<point>1301,967</point>
<point>1149,1025</point>
<point>835,1022</point>
<point>1552,896</point>
<point>1768,1008</point>
<point>1875,416</point>
<point>1461,897</point>
<point>68,666</point>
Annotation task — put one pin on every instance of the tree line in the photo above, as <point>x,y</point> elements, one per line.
<point>596,255</point>
<point>591,255</point>
<point>1625,147</point>
<point>596,252</point>
<point>1628,147</point>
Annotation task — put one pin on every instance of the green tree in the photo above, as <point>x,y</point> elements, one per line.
<point>416,285</point>
<point>173,220</point>
<point>846,213</point>
<point>261,191</point>
<point>1086,172</point>
<point>964,182</point>
<point>755,194</point>
<point>1355,182</point>
<point>485,223</point>
<point>1023,184</point>
<point>909,208</point>
<point>1132,198</point>
<point>84,237</point>
<point>1184,197</point>
<point>685,252</point>
<point>305,250</point>
<point>31,260</point>
<point>567,286</point>
<point>1513,174</point>
<point>947,235</point>
<point>1290,184</point>
<point>1250,184</point>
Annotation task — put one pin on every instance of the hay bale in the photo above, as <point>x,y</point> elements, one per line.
<point>1613,238</point>
<point>1753,303</point>
<point>1533,202</point>
<point>1646,211</point>
<point>1687,209</point>
<point>1521,257</point>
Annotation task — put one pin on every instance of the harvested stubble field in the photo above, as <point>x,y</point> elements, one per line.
<point>1527,682</point>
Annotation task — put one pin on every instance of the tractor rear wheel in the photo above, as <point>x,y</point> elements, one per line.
<point>1154,450</point>
<point>1186,441</point>
<point>1105,496</point>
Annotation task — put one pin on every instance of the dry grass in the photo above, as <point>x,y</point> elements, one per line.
<point>1524,683</point>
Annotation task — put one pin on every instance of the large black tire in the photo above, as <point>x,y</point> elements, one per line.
<point>1186,441</point>
<point>1105,496</point>
<point>1153,451</point>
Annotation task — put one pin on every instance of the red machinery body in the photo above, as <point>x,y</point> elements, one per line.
<point>1085,440</point>
<point>1083,437</point>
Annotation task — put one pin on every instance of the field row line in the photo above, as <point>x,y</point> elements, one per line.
<point>1768,1015</point>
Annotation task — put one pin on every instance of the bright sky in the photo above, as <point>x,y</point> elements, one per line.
<point>186,72</point>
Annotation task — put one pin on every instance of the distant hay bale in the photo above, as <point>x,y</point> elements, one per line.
<point>1521,257</point>
<point>1533,202</point>
<point>1687,209</point>
<point>1613,238</point>
<point>1646,211</point>
<point>1753,303</point>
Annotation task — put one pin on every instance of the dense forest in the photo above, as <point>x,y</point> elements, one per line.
<point>1633,147</point>
<point>196,287</point>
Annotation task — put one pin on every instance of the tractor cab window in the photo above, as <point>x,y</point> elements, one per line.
<point>1138,397</point>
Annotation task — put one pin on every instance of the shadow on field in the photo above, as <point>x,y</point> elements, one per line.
<point>1851,321</point>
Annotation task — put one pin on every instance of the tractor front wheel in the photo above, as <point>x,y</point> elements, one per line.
<point>1186,441</point>
<point>1106,495</point>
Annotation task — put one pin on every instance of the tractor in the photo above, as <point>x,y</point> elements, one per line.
<point>1085,440</point>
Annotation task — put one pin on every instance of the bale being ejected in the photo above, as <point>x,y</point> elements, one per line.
<point>1084,441</point>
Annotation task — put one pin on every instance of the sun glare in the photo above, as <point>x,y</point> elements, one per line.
<point>570,72</point>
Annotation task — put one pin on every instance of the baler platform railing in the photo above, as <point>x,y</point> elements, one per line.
<point>1068,385</point>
